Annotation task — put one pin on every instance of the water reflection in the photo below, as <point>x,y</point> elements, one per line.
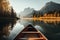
<point>16,30</point>
<point>5,27</point>
<point>10,28</point>
<point>18,27</point>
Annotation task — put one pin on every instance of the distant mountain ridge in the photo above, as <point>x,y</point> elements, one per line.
<point>27,12</point>
<point>50,6</point>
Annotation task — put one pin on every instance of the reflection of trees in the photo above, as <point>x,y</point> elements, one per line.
<point>7,18</point>
<point>5,28</point>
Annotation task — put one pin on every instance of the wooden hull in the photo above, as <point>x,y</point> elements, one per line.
<point>30,33</point>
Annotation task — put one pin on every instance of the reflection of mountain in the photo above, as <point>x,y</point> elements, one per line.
<point>52,31</point>
<point>26,13</point>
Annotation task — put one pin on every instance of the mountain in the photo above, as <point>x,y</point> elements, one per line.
<point>52,31</point>
<point>50,7</point>
<point>27,12</point>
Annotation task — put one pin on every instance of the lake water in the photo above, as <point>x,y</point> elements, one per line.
<point>9,30</point>
<point>18,27</point>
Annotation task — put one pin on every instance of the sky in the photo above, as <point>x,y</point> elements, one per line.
<point>20,5</point>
